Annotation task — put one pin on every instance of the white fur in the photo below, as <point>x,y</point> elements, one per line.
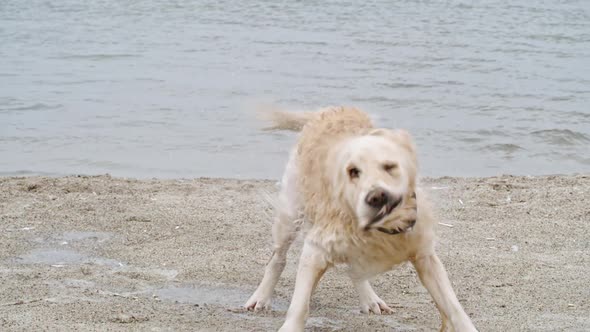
<point>345,239</point>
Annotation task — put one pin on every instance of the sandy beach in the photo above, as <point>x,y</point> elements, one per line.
<point>100,253</point>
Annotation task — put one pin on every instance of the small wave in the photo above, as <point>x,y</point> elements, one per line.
<point>390,101</point>
<point>562,137</point>
<point>491,132</point>
<point>144,124</point>
<point>562,98</point>
<point>292,43</point>
<point>554,38</point>
<point>448,82</point>
<point>94,57</point>
<point>585,160</point>
<point>194,50</point>
<point>471,139</point>
<point>22,139</point>
<point>378,42</point>
<point>486,133</point>
<point>102,164</point>
<point>581,115</point>
<point>33,107</point>
<point>503,147</point>
<point>478,60</point>
<point>375,99</point>
<point>80,82</point>
<point>513,95</point>
<point>405,85</point>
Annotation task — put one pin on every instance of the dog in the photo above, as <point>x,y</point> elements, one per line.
<point>354,189</point>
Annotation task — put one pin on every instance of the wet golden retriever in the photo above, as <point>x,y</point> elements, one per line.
<point>353,187</point>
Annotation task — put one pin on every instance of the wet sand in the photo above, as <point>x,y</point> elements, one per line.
<point>99,253</point>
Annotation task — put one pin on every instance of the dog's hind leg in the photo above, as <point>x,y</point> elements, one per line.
<point>369,300</point>
<point>283,236</point>
<point>284,230</point>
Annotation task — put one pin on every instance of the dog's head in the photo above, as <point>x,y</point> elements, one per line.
<point>376,177</point>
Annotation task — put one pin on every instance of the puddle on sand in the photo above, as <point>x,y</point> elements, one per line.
<point>200,294</point>
<point>63,257</point>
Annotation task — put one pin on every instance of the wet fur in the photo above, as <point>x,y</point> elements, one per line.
<point>315,188</point>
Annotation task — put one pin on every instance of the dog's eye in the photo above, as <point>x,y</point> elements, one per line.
<point>390,167</point>
<point>354,172</point>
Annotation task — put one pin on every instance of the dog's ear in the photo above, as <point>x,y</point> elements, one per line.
<point>399,136</point>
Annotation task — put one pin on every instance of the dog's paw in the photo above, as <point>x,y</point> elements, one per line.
<point>465,326</point>
<point>257,303</point>
<point>375,306</point>
<point>292,327</point>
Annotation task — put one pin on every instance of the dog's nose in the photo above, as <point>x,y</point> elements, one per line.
<point>377,198</point>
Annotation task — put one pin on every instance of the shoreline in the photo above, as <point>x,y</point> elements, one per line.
<point>9,175</point>
<point>99,252</point>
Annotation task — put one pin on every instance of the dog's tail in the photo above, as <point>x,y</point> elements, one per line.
<point>284,120</point>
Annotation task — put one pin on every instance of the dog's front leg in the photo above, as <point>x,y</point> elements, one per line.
<point>435,279</point>
<point>444,326</point>
<point>312,266</point>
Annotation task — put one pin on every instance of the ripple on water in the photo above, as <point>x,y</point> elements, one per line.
<point>95,57</point>
<point>118,90</point>
<point>32,107</point>
<point>507,148</point>
<point>561,137</point>
<point>577,116</point>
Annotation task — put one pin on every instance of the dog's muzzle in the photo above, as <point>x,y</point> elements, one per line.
<point>383,201</point>
<point>387,206</point>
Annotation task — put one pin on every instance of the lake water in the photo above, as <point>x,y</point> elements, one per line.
<point>161,88</point>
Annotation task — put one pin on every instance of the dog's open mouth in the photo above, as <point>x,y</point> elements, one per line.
<point>401,225</point>
<point>385,211</point>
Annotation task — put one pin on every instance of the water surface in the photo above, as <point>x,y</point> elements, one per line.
<point>159,88</point>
